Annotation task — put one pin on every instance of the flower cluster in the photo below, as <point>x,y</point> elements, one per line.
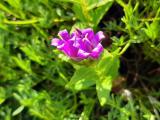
<point>81,44</point>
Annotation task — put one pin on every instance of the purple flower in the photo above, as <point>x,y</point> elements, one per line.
<point>81,44</point>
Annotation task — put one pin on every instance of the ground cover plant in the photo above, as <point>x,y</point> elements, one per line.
<point>119,80</point>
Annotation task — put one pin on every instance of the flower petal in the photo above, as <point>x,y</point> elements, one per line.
<point>69,49</point>
<point>82,54</point>
<point>77,42</point>
<point>89,32</point>
<point>99,36</point>
<point>64,35</point>
<point>85,45</point>
<point>56,42</point>
<point>96,51</point>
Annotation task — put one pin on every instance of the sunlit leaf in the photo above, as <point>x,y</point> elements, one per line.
<point>108,70</point>
<point>83,78</point>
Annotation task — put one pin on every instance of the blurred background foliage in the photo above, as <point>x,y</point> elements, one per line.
<point>33,76</point>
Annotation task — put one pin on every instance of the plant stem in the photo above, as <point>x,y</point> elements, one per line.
<point>125,48</point>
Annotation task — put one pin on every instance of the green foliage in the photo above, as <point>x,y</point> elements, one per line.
<point>90,12</point>
<point>101,75</point>
<point>141,25</point>
<point>2,95</point>
<point>107,72</point>
<point>83,78</point>
<point>23,64</point>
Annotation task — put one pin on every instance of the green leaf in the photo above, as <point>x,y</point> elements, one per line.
<point>88,107</point>
<point>91,11</point>
<point>81,11</point>
<point>98,13</point>
<point>23,64</point>
<point>32,54</point>
<point>108,70</point>
<point>109,64</point>
<point>103,88</point>
<point>83,78</point>
<point>15,4</point>
<point>2,95</point>
<point>152,30</point>
<point>96,3</point>
<point>18,110</point>
<point>4,8</point>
